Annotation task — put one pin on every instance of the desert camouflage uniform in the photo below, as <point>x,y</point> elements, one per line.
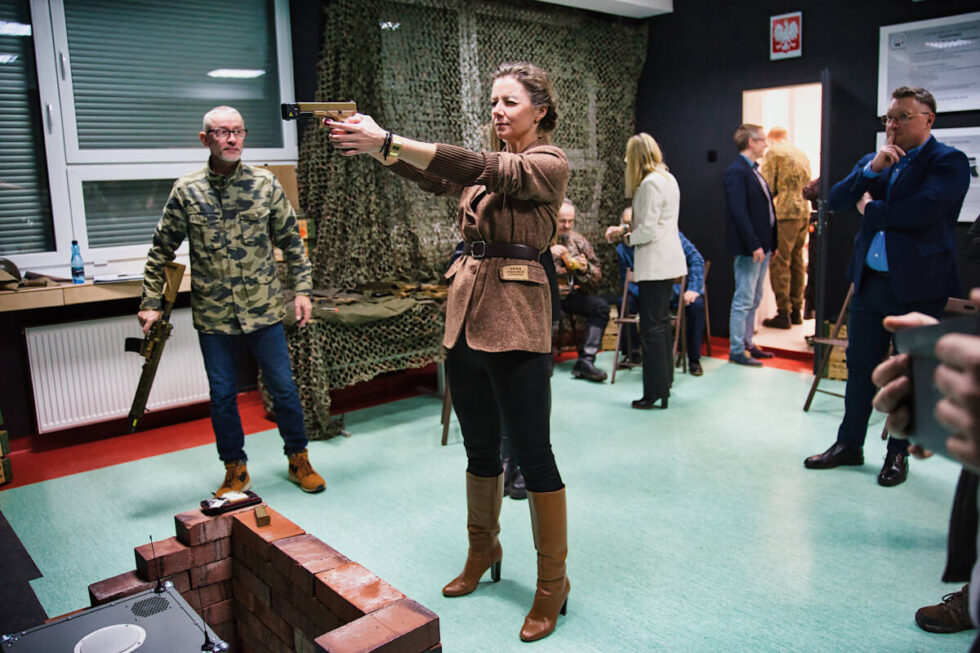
<point>233,223</point>
<point>787,170</point>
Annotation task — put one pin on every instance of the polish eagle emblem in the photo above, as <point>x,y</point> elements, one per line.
<point>785,34</point>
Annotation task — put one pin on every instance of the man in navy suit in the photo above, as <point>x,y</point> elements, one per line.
<point>909,195</point>
<point>751,239</point>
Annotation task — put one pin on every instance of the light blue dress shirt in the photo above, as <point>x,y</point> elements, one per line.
<point>877,258</point>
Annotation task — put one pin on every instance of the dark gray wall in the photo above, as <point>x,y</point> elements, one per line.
<point>703,55</point>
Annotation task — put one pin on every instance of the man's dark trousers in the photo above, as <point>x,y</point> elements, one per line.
<point>867,344</point>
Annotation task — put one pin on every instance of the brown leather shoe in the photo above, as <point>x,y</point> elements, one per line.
<point>550,527</point>
<point>483,499</point>
<point>950,616</point>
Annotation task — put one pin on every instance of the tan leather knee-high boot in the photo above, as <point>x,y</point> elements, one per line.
<point>483,499</point>
<point>550,527</point>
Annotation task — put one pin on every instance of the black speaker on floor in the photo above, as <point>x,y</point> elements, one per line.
<point>149,622</point>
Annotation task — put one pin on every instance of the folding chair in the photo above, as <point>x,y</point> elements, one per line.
<point>625,318</point>
<point>833,340</point>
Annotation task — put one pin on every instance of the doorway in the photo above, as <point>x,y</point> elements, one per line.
<point>797,108</point>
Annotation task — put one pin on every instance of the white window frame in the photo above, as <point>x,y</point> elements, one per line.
<point>68,166</point>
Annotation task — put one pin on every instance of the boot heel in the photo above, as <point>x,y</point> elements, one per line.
<point>564,607</point>
<point>495,572</point>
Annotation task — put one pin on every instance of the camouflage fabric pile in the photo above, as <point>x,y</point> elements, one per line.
<point>421,68</point>
<point>331,355</point>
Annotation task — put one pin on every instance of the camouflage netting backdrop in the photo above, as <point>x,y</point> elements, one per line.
<point>421,68</point>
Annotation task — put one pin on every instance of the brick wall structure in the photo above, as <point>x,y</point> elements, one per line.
<point>276,588</point>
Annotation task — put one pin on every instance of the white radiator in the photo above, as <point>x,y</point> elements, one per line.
<point>81,375</point>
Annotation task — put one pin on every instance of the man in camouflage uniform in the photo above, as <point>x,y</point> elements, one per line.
<point>233,215</point>
<point>787,170</point>
<point>578,278</point>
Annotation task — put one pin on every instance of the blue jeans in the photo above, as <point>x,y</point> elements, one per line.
<point>268,346</point>
<point>749,278</point>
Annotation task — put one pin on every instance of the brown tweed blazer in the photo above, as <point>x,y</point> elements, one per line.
<point>503,304</point>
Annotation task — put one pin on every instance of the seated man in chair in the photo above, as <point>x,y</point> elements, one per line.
<point>694,314</point>
<point>579,274</point>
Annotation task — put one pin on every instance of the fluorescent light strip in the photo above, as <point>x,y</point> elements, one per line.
<point>10,28</point>
<point>236,73</point>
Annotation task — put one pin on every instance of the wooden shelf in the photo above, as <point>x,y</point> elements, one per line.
<point>67,294</point>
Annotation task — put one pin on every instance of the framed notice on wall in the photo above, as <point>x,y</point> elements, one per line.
<point>941,55</point>
<point>966,140</point>
<point>786,36</point>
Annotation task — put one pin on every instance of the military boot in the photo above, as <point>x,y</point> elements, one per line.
<point>585,365</point>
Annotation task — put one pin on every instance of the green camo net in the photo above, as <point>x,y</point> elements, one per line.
<point>421,68</point>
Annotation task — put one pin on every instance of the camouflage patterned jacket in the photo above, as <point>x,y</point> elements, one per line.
<point>586,280</point>
<point>232,223</point>
<point>787,170</point>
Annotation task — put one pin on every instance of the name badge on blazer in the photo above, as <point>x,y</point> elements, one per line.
<point>514,273</point>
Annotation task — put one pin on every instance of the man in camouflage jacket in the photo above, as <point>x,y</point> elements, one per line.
<point>579,274</point>
<point>234,215</point>
<point>787,170</point>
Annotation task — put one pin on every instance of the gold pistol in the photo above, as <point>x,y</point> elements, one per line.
<point>332,110</point>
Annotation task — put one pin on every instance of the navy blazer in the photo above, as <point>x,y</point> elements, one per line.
<point>919,219</point>
<point>749,218</point>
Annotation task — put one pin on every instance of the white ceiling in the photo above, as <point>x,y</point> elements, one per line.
<point>628,8</point>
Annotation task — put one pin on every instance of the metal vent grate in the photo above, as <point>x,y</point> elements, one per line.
<point>150,606</point>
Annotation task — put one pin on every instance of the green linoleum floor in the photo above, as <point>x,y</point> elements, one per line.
<point>691,529</point>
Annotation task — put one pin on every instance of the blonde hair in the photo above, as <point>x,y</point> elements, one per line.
<point>643,156</point>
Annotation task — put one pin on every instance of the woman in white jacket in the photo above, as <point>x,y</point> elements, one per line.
<point>658,260</point>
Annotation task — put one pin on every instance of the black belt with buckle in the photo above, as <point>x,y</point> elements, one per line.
<point>483,249</point>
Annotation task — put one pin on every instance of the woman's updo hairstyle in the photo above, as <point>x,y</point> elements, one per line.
<point>538,86</point>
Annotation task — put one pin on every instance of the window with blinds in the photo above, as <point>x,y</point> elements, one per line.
<point>101,103</point>
<point>144,73</point>
<point>25,206</point>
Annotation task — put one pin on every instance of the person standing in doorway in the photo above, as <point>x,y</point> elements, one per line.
<point>786,170</point>
<point>751,240</point>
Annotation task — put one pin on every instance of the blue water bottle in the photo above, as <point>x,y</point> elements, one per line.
<point>77,264</point>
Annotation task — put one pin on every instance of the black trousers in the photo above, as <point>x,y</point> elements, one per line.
<point>594,308</point>
<point>655,337</point>
<point>509,391</point>
<point>961,544</point>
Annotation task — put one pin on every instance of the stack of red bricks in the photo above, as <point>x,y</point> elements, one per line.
<point>275,588</point>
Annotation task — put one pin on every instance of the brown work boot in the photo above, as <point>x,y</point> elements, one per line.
<point>950,616</point>
<point>236,479</point>
<point>549,525</point>
<point>301,472</point>
<point>483,499</point>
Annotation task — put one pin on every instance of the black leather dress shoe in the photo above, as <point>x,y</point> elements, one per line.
<point>695,368</point>
<point>758,353</point>
<point>895,470</point>
<point>835,456</point>
<point>647,404</point>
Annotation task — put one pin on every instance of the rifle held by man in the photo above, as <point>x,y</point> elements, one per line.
<point>332,110</point>
<point>151,347</point>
